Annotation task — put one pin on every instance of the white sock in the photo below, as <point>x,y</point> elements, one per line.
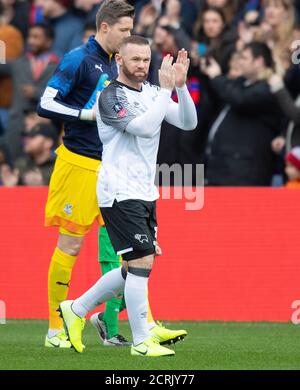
<point>108,286</point>
<point>136,291</point>
<point>53,332</point>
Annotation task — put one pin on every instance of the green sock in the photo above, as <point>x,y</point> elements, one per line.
<point>109,260</point>
<point>113,307</point>
<point>112,310</point>
<point>123,305</point>
<point>111,316</point>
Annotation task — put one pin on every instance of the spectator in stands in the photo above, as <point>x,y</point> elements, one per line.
<point>297,9</point>
<point>291,109</point>
<point>31,119</point>
<point>16,13</point>
<point>172,13</point>
<point>189,12</point>
<point>175,147</point>
<point>36,15</point>
<point>36,166</point>
<point>150,17</point>
<point>207,103</point>
<point>214,38</point>
<point>176,13</point>
<point>14,46</point>
<point>292,168</point>
<point>166,40</point>
<point>235,70</point>
<point>88,9</point>
<point>276,34</point>
<point>251,12</point>
<point>239,142</point>
<point>173,20</point>
<point>5,160</point>
<point>67,27</point>
<point>30,74</point>
<point>231,8</point>
<point>89,29</point>
<point>145,22</point>
<point>139,4</point>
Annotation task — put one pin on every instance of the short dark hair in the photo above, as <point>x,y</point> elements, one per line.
<point>111,11</point>
<point>135,40</point>
<point>47,28</point>
<point>260,49</point>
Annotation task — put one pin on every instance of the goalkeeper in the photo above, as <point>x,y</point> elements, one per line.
<point>72,203</point>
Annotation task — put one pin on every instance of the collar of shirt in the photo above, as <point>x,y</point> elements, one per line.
<point>94,45</point>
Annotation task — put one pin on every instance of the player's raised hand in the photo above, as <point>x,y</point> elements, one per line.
<point>181,67</point>
<point>166,73</point>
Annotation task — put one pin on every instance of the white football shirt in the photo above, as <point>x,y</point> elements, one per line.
<point>130,152</point>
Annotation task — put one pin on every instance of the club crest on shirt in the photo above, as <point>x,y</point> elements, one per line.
<point>68,209</point>
<point>120,110</point>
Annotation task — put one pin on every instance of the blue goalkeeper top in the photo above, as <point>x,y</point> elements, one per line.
<point>72,92</point>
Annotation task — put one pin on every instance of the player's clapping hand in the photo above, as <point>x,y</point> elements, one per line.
<point>166,73</point>
<point>181,67</point>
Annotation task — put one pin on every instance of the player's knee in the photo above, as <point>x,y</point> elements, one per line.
<point>71,249</point>
<point>145,262</point>
<point>74,249</point>
<point>70,244</point>
<point>142,266</point>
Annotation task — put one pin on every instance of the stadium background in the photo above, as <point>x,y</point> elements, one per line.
<point>237,259</point>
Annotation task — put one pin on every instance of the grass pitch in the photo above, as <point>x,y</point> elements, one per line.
<point>208,346</point>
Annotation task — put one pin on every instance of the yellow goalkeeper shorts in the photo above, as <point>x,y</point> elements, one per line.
<point>72,200</point>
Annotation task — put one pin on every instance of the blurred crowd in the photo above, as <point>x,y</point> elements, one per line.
<point>244,79</point>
